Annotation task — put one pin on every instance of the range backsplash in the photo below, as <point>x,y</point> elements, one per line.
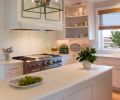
<point>28,42</point>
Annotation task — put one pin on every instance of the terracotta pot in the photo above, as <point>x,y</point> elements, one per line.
<point>86,65</point>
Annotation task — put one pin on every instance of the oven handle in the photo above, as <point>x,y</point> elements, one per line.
<point>35,70</point>
<point>53,66</point>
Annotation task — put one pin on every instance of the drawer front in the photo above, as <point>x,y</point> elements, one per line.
<point>14,70</point>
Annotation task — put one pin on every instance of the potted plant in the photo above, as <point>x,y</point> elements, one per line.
<point>64,49</point>
<point>87,57</point>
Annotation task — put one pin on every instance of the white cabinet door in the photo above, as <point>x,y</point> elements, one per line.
<point>84,94</point>
<point>102,89</point>
<point>118,73</point>
<point>115,77</point>
<point>13,70</point>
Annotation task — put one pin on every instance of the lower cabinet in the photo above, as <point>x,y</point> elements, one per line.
<point>98,88</point>
<point>115,62</point>
<point>103,90</point>
<point>84,94</point>
<point>11,70</point>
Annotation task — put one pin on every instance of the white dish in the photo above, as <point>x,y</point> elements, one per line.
<point>15,84</point>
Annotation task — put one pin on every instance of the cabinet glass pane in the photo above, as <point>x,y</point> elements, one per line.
<point>29,9</point>
<point>53,12</point>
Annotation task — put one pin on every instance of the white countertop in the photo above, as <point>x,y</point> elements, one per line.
<point>109,55</point>
<point>10,62</point>
<point>55,80</point>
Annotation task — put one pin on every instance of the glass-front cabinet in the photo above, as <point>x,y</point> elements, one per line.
<point>79,19</point>
<point>35,14</point>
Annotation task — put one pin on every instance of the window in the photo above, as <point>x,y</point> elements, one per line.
<point>109,28</point>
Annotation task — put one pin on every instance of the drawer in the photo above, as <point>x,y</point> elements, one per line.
<point>16,64</point>
<point>14,73</point>
<point>11,75</point>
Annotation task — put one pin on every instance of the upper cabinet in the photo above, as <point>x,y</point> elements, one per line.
<point>79,19</point>
<point>35,14</point>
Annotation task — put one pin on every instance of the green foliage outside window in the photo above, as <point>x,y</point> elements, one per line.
<point>116,38</point>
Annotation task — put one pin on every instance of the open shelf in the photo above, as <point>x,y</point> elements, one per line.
<point>76,22</point>
<point>76,16</point>
<point>77,27</point>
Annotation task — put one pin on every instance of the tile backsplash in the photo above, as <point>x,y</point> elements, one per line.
<point>28,42</point>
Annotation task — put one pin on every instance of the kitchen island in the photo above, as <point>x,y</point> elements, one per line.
<point>111,60</point>
<point>68,82</point>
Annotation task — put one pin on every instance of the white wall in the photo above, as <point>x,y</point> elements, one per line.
<point>26,42</point>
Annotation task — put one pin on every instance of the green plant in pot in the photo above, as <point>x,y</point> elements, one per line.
<point>64,49</point>
<point>87,57</point>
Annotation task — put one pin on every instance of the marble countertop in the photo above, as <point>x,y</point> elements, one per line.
<point>55,80</point>
<point>109,55</point>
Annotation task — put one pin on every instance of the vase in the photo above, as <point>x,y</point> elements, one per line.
<point>86,65</point>
<point>7,57</point>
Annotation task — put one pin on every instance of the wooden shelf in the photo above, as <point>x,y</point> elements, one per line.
<point>76,16</point>
<point>77,27</point>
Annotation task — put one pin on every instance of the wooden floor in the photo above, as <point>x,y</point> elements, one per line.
<point>116,96</point>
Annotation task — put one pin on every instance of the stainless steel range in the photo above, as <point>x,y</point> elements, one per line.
<point>39,62</point>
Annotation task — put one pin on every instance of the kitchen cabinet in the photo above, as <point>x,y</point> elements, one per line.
<point>102,89</point>
<point>115,62</point>
<point>19,19</point>
<point>97,89</point>
<point>84,94</point>
<point>79,20</point>
<point>10,69</point>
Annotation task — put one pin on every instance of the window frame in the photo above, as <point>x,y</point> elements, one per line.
<point>99,40</point>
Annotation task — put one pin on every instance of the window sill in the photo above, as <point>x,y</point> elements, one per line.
<point>111,53</point>
<point>108,51</point>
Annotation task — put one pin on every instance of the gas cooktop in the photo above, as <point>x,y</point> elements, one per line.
<point>35,57</point>
<point>39,62</point>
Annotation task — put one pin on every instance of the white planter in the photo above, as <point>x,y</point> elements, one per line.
<point>86,65</point>
<point>7,57</point>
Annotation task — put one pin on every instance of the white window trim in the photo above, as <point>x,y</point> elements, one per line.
<point>98,33</point>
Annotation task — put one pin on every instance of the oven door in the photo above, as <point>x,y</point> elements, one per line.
<point>31,67</point>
